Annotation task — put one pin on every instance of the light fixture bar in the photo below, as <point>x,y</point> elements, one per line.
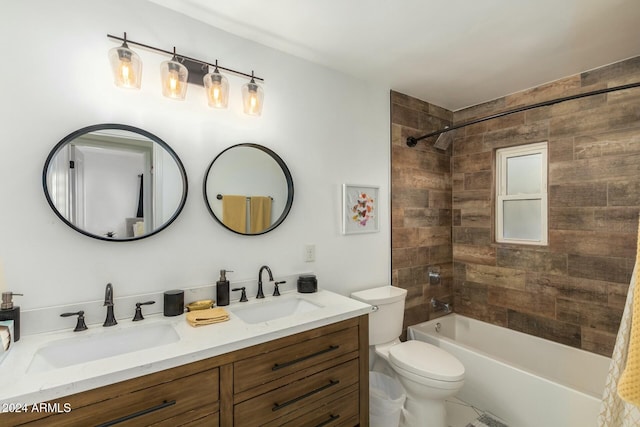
<point>182,58</point>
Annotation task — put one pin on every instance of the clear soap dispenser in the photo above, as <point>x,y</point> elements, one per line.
<point>10,312</point>
<point>222,288</point>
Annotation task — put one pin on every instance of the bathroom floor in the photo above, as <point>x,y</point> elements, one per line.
<point>461,414</point>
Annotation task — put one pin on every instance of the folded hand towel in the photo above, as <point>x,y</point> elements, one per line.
<point>629,384</point>
<point>207,317</point>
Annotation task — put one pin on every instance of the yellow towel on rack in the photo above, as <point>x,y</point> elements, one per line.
<point>629,384</point>
<point>234,213</point>
<point>260,213</point>
<point>207,317</point>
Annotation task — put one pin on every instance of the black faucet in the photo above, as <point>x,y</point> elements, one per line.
<point>80,325</point>
<point>264,267</point>
<point>276,291</point>
<point>243,296</point>
<point>138,314</point>
<point>108,302</point>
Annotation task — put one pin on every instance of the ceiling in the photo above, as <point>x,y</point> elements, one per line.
<point>452,53</point>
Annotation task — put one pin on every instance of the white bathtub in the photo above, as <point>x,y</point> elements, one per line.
<point>525,380</point>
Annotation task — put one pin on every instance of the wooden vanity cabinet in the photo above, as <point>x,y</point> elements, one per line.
<point>313,378</point>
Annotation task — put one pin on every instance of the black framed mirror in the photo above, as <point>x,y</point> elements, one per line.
<point>248,189</point>
<point>115,182</point>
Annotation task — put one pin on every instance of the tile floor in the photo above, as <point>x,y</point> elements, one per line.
<point>459,414</point>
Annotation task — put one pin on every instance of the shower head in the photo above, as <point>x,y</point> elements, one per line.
<point>444,140</point>
<point>445,137</point>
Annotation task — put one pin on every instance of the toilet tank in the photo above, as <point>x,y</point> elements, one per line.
<point>385,324</point>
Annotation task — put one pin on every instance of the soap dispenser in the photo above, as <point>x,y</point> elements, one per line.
<point>10,312</point>
<point>222,288</point>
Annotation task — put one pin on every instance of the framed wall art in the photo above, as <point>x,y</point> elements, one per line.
<point>360,209</point>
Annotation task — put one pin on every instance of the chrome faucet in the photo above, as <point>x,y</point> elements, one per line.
<point>108,302</point>
<point>439,305</point>
<point>264,267</point>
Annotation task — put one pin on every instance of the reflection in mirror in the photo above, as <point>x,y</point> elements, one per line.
<point>114,182</point>
<point>248,189</point>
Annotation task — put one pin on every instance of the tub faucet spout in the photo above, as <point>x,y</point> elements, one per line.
<point>440,306</point>
<point>108,302</point>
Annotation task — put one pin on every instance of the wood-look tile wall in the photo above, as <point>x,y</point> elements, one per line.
<point>571,291</point>
<point>420,206</point>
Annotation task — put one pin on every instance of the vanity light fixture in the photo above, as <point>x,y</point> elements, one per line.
<point>217,87</point>
<point>174,78</point>
<point>252,96</point>
<point>126,66</point>
<point>180,70</point>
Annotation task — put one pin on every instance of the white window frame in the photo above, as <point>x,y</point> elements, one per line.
<point>502,155</point>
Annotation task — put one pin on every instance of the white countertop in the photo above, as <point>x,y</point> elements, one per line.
<point>20,386</point>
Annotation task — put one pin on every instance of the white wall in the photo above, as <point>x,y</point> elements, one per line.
<point>329,128</point>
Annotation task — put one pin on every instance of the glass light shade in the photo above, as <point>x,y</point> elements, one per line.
<point>126,67</point>
<point>174,79</point>
<point>217,88</point>
<point>252,98</point>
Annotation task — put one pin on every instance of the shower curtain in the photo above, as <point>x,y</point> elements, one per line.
<point>614,411</point>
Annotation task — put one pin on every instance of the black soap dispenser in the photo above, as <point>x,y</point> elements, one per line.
<point>222,288</point>
<point>10,312</point>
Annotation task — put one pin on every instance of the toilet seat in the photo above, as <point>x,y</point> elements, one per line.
<point>427,361</point>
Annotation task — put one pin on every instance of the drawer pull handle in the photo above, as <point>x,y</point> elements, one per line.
<point>277,407</point>
<point>331,419</point>
<point>302,359</point>
<point>163,405</point>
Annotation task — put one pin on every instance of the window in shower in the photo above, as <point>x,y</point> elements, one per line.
<point>521,194</point>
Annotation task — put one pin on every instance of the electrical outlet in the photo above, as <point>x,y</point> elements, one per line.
<point>309,253</point>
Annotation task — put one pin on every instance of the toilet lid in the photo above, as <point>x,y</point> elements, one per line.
<point>426,360</point>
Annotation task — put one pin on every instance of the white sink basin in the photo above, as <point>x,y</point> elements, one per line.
<point>86,348</point>
<point>271,309</point>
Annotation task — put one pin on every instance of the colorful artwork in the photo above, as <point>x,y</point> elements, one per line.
<point>363,209</point>
<point>360,209</point>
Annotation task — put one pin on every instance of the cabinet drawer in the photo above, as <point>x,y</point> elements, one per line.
<point>290,398</point>
<point>266,367</point>
<point>339,409</point>
<point>147,406</point>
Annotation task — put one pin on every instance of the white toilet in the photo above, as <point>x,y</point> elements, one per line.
<point>428,374</point>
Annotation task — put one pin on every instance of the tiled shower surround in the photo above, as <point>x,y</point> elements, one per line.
<point>571,291</point>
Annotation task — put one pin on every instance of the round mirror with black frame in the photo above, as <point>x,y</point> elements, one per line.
<point>115,182</point>
<point>248,189</point>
